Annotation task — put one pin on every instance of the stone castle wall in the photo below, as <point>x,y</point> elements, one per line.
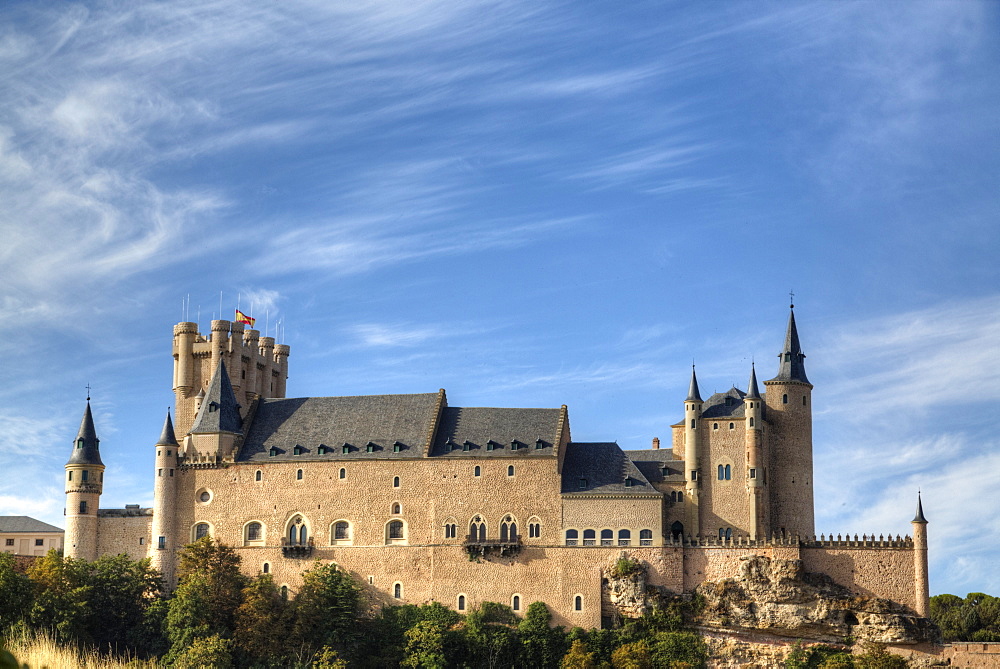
<point>124,532</point>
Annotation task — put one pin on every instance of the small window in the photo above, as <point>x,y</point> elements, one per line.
<point>624,537</point>
<point>205,496</point>
<point>589,538</point>
<point>297,450</point>
<point>342,531</point>
<point>645,537</point>
<point>298,475</point>
<point>71,476</point>
<point>266,568</point>
<point>784,399</point>
<point>583,483</point>
<point>10,542</point>
<point>722,473</point>
<point>466,445</point>
<point>41,542</point>
<point>803,400</point>
<point>751,421</point>
<point>395,481</point>
<point>461,602</point>
<point>729,533</point>
<point>515,444</point>
<point>729,472</point>
<point>732,426</point>
<point>200,530</point>
<point>370,447</point>
<point>86,475</point>
<point>397,447</point>
<point>477,471</point>
<point>322,450</point>
<point>272,452</point>
<point>102,475</point>
<point>715,426</point>
<point>284,588</point>
<point>161,543</point>
<point>258,476</point>
<point>83,507</point>
<point>79,443</point>
<point>489,445</point>
<point>607,538</point>
<point>571,537</point>
<point>534,530</point>
<point>169,452</point>
<point>159,472</point>
<point>397,590</point>
<point>539,444</point>
<point>694,474</point>
<point>345,448</point>
<point>515,603</point>
<point>578,603</point>
<point>396,529</point>
<point>396,508</point>
<point>510,470</point>
<point>343,473</point>
<point>753,473</point>
<point>722,533</point>
<point>628,481</point>
<point>694,425</point>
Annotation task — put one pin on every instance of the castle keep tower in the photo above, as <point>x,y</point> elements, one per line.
<point>789,465</point>
<point>756,492</point>
<point>164,544</point>
<point>84,484</point>
<point>258,368</point>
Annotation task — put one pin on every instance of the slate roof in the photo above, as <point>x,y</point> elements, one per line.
<point>25,524</point>
<point>167,437</point>
<point>219,410</point>
<point>309,422</point>
<point>694,395</point>
<point>601,469</point>
<point>87,453</point>
<point>725,405</point>
<point>791,365</point>
<point>479,426</point>
<point>652,461</point>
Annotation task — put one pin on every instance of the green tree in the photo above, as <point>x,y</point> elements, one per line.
<point>261,623</point>
<point>60,597</point>
<point>15,593</point>
<point>325,610</point>
<point>120,591</point>
<point>206,652</point>
<point>425,646</point>
<point>542,646</point>
<point>673,648</point>
<point>632,656</point>
<point>491,636</point>
<point>577,657</point>
<point>875,656</point>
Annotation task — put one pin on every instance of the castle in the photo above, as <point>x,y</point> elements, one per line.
<point>424,501</point>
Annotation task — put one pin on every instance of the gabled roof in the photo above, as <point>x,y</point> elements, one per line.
<point>602,469</point>
<point>219,410</point>
<point>309,422</point>
<point>481,425</point>
<point>651,462</point>
<point>25,524</point>
<point>86,449</point>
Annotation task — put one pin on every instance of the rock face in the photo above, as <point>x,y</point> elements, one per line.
<point>781,597</point>
<point>624,591</point>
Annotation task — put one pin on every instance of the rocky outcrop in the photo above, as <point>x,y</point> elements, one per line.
<point>781,597</point>
<point>624,593</point>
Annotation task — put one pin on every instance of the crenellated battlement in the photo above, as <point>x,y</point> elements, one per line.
<point>842,541</point>
<point>258,367</point>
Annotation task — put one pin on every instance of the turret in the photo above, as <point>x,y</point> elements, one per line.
<point>234,361</point>
<point>692,416</point>
<point>756,493</point>
<point>281,362</point>
<point>218,423</point>
<point>789,440</point>
<point>251,342</point>
<point>219,341</point>
<point>921,582</point>
<point>267,355</point>
<point>84,484</point>
<point>164,541</point>
<point>184,336</point>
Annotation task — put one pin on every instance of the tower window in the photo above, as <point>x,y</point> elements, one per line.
<point>86,475</point>
<point>753,473</point>
<point>83,507</point>
<point>71,476</point>
<point>258,476</point>
<point>510,470</point>
<point>515,603</point>
<point>583,483</point>
<point>397,590</point>
<point>715,426</point>
<point>803,400</point>
<point>784,399</point>
<point>477,471</point>
<point>343,473</point>
<point>79,443</point>
<point>267,568</point>
<point>161,543</point>
<point>751,421</point>
<point>298,475</point>
<point>578,603</point>
<point>732,426</point>
<point>461,602</point>
<point>694,424</point>
<point>395,481</point>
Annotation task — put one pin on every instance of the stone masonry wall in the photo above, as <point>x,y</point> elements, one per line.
<point>122,534</point>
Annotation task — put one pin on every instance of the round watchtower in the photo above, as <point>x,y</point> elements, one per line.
<point>84,484</point>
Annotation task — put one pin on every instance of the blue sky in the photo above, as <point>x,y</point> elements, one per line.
<point>528,204</point>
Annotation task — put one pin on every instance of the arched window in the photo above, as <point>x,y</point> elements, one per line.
<point>729,472</point>
<point>677,530</point>
<point>298,532</point>
<point>607,537</point>
<point>258,476</point>
<point>341,531</point>
<point>624,537</point>
<point>784,399</point>
<point>722,473</point>
<point>571,537</point>
<point>729,533</point>
<point>589,538</point>
<point>284,592</point>
<point>461,602</point>
<point>395,531</point>
<point>578,603</point>
<point>477,529</point>
<point>298,475</point>
<point>508,529</point>
<point>751,421</point>
<point>534,527</point>
<point>722,533</point>
<point>477,471</point>
<point>200,530</point>
<point>254,532</point>
<point>397,590</point>
<point>267,568</point>
<point>732,426</point>
<point>510,470</point>
<point>395,481</point>
<point>645,537</point>
<point>343,473</point>
<point>396,508</point>
<point>515,602</point>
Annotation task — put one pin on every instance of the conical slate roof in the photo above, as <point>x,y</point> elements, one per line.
<point>219,410</point>
<point>753,391</point>
<point>85,446</point>
<point>919,518</point>
<point>167,437</point>
<point>792,366</point>
<point>694,395</point>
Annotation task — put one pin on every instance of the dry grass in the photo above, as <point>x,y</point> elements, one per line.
<point>41,651</point>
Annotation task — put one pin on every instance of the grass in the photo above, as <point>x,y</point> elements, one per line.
<point>41,651</point>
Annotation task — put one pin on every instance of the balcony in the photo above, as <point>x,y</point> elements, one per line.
<point>478,547</point>
<point>297,550</point>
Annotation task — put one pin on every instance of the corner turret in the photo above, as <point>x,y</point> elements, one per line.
<point>84,485</point>
<point>692,415</point>
<point>163,544</point>
<point>756,492</point>
<point>921,582</point>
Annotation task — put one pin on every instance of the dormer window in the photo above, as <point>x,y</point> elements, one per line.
<point>514,445</point>
<point>370,447</point>
<point>397,446</point>
<point>490,445</point>
<point>79,443</point>
<point>539,444</point>
<point>628,481</point>
<point>297,450</point>
<point>273,452</point>
<point>213,406</point>
<point>466,445</point>
<point>583,483</point>
<point>346,448</point>
<point>451,444</point>
<point>322,450</point>
<point>665,471</point>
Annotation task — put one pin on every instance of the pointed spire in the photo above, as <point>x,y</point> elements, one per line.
<point>791,366</point>
<point>693,393</point>
<point>753,391</point>
<point>219,411</point>
<point>167,437</point>
<point>85,446</point>
<point>919,518</point>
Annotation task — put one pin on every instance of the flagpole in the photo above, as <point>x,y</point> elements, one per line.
<point>220,305</point>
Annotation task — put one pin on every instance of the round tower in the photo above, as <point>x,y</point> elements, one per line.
<point>234,363</point>
<point>921,584</point>
<point>220,342</point>
<point>163,547</point>
<point>251,342</point>
<point>281,360</point>
<point>267,353</point>
<point>692,416</point>
<point>756,497</point>
<point>84,484</point>
<point>789,470</point>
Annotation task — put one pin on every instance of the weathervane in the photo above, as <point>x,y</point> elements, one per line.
<point>88,392</point>
<point>791,300</point>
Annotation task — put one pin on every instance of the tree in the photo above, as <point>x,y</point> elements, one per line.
<point>541,645</point>
<point>210,651</point>
<point>325,610</point>
<point>577,657</point>
<point>491,635</point>
<point>262,622</point>
<point>120,592</point>
<point>15,593</point>
<point>632,656</point>
<point>425,646</point>
<point>60,597</point>
<point>669,648</point>
<point>875,656</point>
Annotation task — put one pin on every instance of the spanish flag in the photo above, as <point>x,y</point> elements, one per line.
<point>243,318</point>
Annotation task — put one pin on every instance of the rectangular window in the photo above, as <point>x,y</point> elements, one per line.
<point>71,476</point>
<point>86,474</point>
<point>161,542</point>
<point>753,473</point>
<point>39,542</point>
<point>83,507</point>
<point>694,474</point>
<point>10,542</point>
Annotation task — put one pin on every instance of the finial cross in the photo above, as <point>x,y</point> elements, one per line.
<point>791,299</point>
<point>88,392</point>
